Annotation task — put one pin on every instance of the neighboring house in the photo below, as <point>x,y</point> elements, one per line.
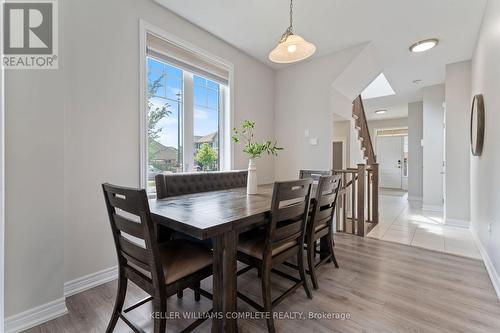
<point>212,139</point>
<point>163,157</point>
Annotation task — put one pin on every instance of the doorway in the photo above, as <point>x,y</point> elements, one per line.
<point>389,156</point>
<point>392,156</point>
<point>338,155</point>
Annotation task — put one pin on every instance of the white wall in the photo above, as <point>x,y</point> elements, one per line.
<point>457,199</point>
<point>34,188</point>
<point>484,172</point>
<point>415,152</point>
<point>433,116</point>
<point>80,124</point>
<point>2,188</point>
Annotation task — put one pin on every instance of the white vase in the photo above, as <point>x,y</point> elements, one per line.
<point>252,177</point>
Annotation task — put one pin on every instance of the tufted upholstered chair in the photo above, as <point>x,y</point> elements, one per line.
<point>185,183</point>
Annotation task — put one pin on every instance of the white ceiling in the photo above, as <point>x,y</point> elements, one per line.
<point>254,26</point>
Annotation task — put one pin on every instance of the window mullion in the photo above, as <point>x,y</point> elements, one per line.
<point>188,126</point>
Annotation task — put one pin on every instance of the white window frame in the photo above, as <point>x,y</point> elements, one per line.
<point>226,119</point>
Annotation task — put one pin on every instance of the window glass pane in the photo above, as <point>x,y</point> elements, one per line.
<point>199,81</point>
<point>200,96</point>
<point>206,124</point>
<point>213,99</point>
<point>213,85</point>
<point>164,126</point>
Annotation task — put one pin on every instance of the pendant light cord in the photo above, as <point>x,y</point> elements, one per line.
<point>289,30</point>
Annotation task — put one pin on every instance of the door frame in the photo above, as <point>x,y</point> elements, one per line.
<point>375,132</point>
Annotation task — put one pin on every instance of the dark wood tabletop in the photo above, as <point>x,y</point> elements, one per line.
<point>207,214</point>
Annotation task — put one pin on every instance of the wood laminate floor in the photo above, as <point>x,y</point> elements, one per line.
<point>384,287</point>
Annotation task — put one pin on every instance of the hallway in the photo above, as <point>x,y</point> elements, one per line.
<point>402,223</point>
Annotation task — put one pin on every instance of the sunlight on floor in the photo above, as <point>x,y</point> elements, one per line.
<point>404,223</point>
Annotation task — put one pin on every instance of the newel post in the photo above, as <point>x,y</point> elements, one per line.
<point>375,177</point>
<point>361,199</point>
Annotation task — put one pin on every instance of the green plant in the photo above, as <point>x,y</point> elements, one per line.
<point>206,156</point>
<point>251,148</point>
<point>155,114</point>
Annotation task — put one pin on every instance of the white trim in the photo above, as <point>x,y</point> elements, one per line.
<point>490,268</point>
<point>413,198</point>
<point>457,223</point>
<point>35,316</point>
<point>432,208</point>
<point>90,281</point>
<point>146,27</point>
<point>143,100</point>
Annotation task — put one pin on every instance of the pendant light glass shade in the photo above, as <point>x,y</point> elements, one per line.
<point>291,48</point>
<point>294,48</point>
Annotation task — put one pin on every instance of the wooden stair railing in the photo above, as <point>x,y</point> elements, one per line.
<point>358,113</point>
<point>358,197</point>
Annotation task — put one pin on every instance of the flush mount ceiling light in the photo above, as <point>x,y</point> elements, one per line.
<point>424,45</point>
<point>291,48</point>
<point>380,111</point>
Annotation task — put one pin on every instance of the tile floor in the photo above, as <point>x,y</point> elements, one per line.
<point>403,223</point>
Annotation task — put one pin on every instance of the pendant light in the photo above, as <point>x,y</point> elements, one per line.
<point>291,48</point>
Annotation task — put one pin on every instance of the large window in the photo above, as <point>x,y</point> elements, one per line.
<point>183,121</point>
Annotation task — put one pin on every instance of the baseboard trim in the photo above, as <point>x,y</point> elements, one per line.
<point>90,281</point>
<point>457,223</point>
<point>432,208</point>
<point>494,277</point>
<point>413,198</point>
<point>35,316</point>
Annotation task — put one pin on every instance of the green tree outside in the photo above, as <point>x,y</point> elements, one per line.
<point>206,157</point>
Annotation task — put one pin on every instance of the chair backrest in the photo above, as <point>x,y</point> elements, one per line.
<point>129,215</point>
<point>186,183</point>
<point>326,199</point>
<point>313,174</point>
<point>289,211</point>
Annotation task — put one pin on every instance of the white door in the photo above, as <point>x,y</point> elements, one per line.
<point>389,157</point>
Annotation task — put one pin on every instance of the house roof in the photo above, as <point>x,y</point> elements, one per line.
<point>206,138</point>
<point>161,152</point>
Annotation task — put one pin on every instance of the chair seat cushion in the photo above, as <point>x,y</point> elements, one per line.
<point>254,246</point>
<point>180,258</point>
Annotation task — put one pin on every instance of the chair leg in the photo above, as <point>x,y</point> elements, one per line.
<point>332,252</point>
<point>197,296</point>
<point>266,297</point>
<point>180,294</point>
<point>312,270</point>
<point>120,299</point>
<point>160,321</point>
<point>302,271</point>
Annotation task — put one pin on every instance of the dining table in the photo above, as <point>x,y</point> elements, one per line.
<point>220,216</point>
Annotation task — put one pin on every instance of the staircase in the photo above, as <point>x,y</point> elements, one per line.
<point>358,113</point>
<point>357,204</point>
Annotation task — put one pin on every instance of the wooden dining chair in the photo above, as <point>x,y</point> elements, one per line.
<point>320,224</point>
<point>161,270</point>
<point>282,240</point>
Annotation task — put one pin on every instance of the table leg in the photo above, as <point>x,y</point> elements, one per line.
<point>224,282</point>
<point>324,249</point>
